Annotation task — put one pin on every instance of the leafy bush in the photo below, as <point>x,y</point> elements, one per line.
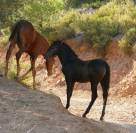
<point>107,22</point>
<point>128,42</point>
<point>4,37</point>
<point>39,12</point>
<point>98,29</point>
<point>117,17</point>
<point>66,25</point>
<point>84,3</point>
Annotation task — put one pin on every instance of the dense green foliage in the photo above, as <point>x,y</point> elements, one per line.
<point>7,9</point>
<point>84,3</point>
<point>37,11</point>
<point>66,18</point>
<point>113,19</point>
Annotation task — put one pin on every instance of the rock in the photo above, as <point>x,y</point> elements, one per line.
<point>27,111</point>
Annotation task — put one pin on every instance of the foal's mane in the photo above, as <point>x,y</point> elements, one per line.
<point>68,51</point>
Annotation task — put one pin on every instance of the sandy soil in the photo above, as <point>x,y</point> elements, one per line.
<point>122,108</point>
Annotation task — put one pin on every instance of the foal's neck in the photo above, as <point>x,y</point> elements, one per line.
<point>66,59</point>
<point>67,55</point>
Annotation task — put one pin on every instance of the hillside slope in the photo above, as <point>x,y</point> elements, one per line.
<point>24,110</point>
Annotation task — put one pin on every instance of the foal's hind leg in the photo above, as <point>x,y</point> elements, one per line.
<point>70,86</point>
<point>94,96</point>
<point>105,89</point>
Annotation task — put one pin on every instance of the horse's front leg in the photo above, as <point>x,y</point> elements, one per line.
<point>70,86</point>
<point>33,59</point>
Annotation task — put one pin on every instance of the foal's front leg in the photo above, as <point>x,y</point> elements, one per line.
<point>70,86</point>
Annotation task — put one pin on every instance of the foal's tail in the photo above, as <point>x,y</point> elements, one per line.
<point>106,79</point>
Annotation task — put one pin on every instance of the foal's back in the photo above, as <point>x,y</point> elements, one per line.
<point>84,71</point>
<point>97,68</point>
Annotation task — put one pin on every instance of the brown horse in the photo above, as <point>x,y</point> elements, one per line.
<point>29,41</point>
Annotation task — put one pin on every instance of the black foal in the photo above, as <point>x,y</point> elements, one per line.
<point>75,70</point>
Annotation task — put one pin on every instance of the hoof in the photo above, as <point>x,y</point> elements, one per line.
<point>67,106</point>
<point>101,119</point>
<point>17,78</point>
<point>34,88</point>
<point>84,115</point>
<point>1,75</point>
<point>5,75</point>
<point>49,73</point>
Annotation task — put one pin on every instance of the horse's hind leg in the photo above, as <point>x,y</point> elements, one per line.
<point>105,88</point>
<point>94,96</point>
<point>8,54</point>
<point>25,73</point>
<point>18,55</point>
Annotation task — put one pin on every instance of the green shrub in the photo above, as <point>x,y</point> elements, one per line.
<point>40,11</point>
<point>84,3</point>
<point>128,42</point>
<point>98,29</point>
<point>4,37</point>
<point>114,18</point>
<point>117,17</point>
<point>66,26</point>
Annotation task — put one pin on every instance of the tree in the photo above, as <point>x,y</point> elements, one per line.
<point>39,11</point>
<point>7,8</point>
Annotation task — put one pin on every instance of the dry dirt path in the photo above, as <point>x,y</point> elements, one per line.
<point>27,111</point>
<point>119,109</point>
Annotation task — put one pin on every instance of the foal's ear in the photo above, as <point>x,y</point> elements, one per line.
<point>62,41</point>
<point>58,42</point>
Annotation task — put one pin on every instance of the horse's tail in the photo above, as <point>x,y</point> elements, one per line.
<point>13,40</point>
<point>15,33</point>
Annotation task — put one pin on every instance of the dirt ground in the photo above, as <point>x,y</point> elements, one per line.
<point>27,111</point>
<point>119,109</point>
